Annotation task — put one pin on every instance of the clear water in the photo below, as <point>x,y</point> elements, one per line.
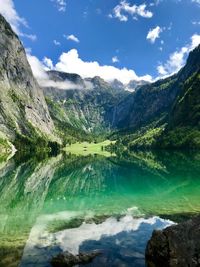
<point>88,203</point>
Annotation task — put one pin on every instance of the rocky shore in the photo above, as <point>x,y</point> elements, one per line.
<point>175,246</point>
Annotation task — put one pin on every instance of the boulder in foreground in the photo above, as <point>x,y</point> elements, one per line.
<point>175,246</point>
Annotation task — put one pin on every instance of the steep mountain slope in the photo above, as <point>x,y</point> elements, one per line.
<point>146,104</point>
<point>183,129</point>
<point>145,118</point>
<point>23,110</point>
<point>186,110</point>
<point>86,108</point>
<point>164,113</point>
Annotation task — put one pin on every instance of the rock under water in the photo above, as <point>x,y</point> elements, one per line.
<point>67,259</point>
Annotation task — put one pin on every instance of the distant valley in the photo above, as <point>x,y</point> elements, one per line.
<point>140,115</point>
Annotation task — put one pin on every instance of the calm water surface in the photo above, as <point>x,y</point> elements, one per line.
<point>87,203</point>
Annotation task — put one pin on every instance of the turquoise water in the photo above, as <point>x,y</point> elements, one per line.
<point>86,203</point>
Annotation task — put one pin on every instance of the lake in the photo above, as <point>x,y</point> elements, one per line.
<point>81,204</point>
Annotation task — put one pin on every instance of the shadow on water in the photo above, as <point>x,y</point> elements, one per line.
<point>42,196</point>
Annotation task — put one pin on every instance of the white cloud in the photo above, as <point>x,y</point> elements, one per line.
<point>61,5</point>
<point>32,37</point>
<point>115,59</point>
<point>39,71</point>
<point>72,63</point>
<point>124,9</point>
<point>57,43</point>
<point>196,1</point>
<point>177,59</point>
<point>48,63</point>
<point>195,41</point>
<point>155,3</point>
<point>161,70</point>
<point>154,34</point>
<point>196,22</point>
<point>72,38</point>
<point>7,9</point>
<point>37,67</point>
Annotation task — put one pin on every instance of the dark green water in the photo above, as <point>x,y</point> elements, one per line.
<point>82,204</point>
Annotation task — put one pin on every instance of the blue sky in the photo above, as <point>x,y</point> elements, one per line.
<point>149,37</point>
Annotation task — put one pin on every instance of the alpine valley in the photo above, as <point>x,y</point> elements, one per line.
<point>89,168</point>
<point>163,114</point>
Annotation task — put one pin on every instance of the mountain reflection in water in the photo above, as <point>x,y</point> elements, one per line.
<point>86,203</point>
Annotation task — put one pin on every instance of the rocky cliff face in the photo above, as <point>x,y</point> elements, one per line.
<point>23,109</point>
<point>88,107</point>
<point>146,104</point>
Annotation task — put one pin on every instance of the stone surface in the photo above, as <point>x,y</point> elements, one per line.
<point>67,259</point>
<point>22,103</point>
<point>175,246</point>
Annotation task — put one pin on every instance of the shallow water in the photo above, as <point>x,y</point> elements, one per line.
<point>88,203</point>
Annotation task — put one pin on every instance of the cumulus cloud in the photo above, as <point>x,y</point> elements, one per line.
<point>115,59</point>
<point>177,59</point>
<point>124,9</point>
<point>72,38</point>
<point>60,4</point>
<point>154,34</point>
<point>39,71</point>
<point>48,63</point>
<point>72,63</point>
<point>7,9</point>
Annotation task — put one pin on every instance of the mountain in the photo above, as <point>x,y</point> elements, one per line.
<point>86,108</point>
<point>63,76</point>
<point>164,114</point>
<point>149,102</point>
<point>148,117</point>
<point>117,85</point>
<point>23,110</point>
<point>135,85</point>
<point>183,130</point>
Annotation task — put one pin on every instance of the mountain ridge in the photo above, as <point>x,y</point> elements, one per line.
<point>153,115</point>
<point>23,109</point>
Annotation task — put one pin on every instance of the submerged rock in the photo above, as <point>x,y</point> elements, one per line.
<point>175,246</point>
<point>67,259</point>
